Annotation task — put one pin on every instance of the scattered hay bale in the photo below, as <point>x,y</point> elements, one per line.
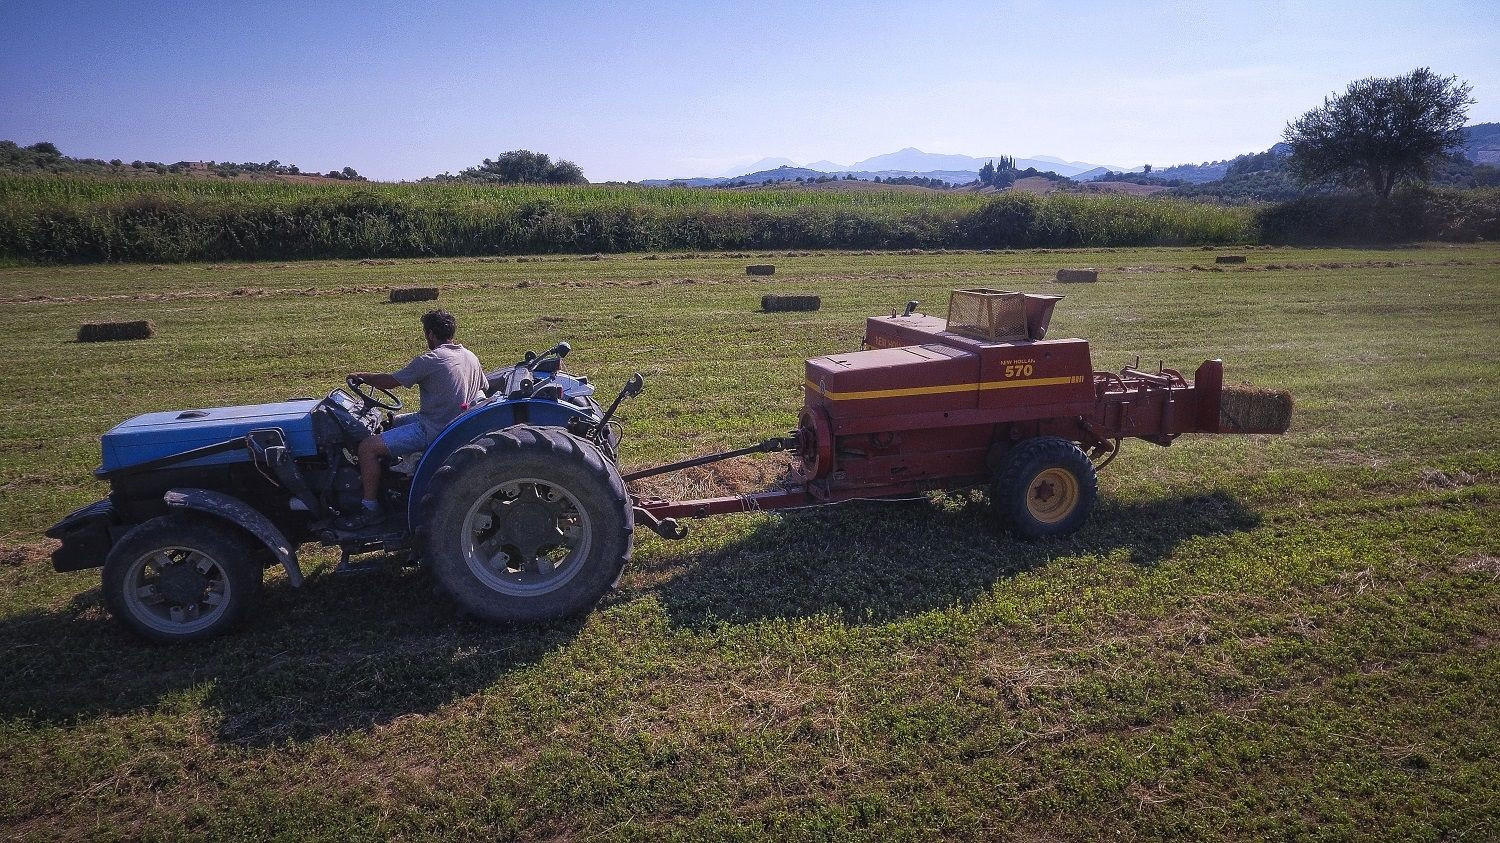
<point>1229,259</point>
<point>138,329</point>
<point>1073,276</point>
<point>399,294</point>
<point>761,269</point>
<point>1247,409</point>
<point>776,304</point>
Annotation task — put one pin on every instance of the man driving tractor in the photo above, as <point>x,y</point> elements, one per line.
<point>450,379</point>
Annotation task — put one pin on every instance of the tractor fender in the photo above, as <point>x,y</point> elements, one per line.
<point>244,516</point>
<point>474,424</point>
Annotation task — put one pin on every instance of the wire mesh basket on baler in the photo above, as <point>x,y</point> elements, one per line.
<point>999,315</point>
<point>984,314</point>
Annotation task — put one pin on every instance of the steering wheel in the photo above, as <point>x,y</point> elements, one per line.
<point>369,398</point>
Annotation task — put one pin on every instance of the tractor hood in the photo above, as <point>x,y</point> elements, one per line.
<point>153,436</point>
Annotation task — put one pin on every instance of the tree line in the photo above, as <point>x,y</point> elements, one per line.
<point>515,167</point>
<point>44,157</point>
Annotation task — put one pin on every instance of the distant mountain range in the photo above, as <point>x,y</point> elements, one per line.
<point>958,169</point>
<point>1481,145</point>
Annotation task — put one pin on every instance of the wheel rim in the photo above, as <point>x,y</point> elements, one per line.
<point>1052,495</point>
<point>526,537</point>
<point>177,590</point>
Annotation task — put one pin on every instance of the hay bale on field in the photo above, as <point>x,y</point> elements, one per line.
<point>1248,409</point>
<point>1074,276</point>
<point>1229,259</point>
<point>761,269</point>
<point>138,329</point>
<point>776,304</point>
<point>399,294</point>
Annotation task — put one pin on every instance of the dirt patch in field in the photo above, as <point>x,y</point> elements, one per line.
<point>1434,480</point>
<point>1035,184</point>
<point>1482,563</point>
<point>14,555</point>
<point>1126,187</point>
<point>740,476</point>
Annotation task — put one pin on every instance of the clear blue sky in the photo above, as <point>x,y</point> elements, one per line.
<point>655,89</point>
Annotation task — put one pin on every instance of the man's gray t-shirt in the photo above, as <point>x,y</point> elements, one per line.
<point>450,378</point>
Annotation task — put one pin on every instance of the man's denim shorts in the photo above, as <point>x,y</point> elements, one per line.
<point>406,436</point>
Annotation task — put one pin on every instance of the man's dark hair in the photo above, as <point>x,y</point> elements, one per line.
<point>440,323</point>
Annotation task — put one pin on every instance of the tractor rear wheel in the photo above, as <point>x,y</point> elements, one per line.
<point>182,578</point>
<point>1045,487</point>
<point>527,524</point>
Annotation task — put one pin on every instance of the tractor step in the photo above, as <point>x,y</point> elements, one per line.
<point>348,568</point>
<point>378,558</point>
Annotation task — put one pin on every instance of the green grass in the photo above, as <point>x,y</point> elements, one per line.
<point>1254,637</point>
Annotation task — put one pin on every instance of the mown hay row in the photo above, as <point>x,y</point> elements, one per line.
<point>1249,409</point>
<point>775,304</point>
<point>138,329</point>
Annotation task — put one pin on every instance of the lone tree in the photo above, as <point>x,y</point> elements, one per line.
<point>522,166</point>
<point>1380,131</point>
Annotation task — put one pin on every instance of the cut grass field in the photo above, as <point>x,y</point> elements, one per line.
<point>1254,637</point>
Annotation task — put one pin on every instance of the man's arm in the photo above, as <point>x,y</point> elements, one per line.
<point>379,380</point>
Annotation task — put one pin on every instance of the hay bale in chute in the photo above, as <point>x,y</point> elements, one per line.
<point>774,304</point>
<point>399,294</point>
<point>136,329</point>
<point>1249,409</point>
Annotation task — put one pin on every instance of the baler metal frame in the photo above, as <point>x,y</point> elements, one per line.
<point>1156,407</point>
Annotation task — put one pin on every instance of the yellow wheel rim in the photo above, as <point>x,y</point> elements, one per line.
<point>1052,495</point>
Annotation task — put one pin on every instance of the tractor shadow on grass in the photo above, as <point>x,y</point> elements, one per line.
<point>340,654</point>
<point>874,561</point>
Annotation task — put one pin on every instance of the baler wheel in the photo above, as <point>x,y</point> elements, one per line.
<point>1045,487</point>
<point>527,524</point>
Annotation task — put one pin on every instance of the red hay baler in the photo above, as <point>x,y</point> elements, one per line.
<point>979,398</point>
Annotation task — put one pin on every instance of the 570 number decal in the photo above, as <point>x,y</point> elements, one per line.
<point>1018,370</point>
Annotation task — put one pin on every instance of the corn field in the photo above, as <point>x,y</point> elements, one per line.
<point>60,219</point>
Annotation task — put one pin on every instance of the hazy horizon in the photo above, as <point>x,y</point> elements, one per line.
<point>672,89</point>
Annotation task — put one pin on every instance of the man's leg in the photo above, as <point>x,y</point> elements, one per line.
<point>372,451</point>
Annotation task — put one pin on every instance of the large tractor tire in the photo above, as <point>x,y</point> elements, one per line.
<point>527,524</point>
<point>1046,487</point>
<point>181,578</point>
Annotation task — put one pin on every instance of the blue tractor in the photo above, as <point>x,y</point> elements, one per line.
<point>518,506</point>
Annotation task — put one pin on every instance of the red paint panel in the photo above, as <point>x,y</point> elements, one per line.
<point>892,380</point>
<point>1035,374</point>
<point>911,455</point>
<point>898,331</point>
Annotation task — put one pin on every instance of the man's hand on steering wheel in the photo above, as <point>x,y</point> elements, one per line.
<point>368,395</point>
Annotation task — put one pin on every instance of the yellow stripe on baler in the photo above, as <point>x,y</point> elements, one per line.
<point>943,389</point>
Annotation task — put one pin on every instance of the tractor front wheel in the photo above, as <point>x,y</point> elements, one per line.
<point>181,578</point>
<point>1045,487</point>
<point>527,524</point>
